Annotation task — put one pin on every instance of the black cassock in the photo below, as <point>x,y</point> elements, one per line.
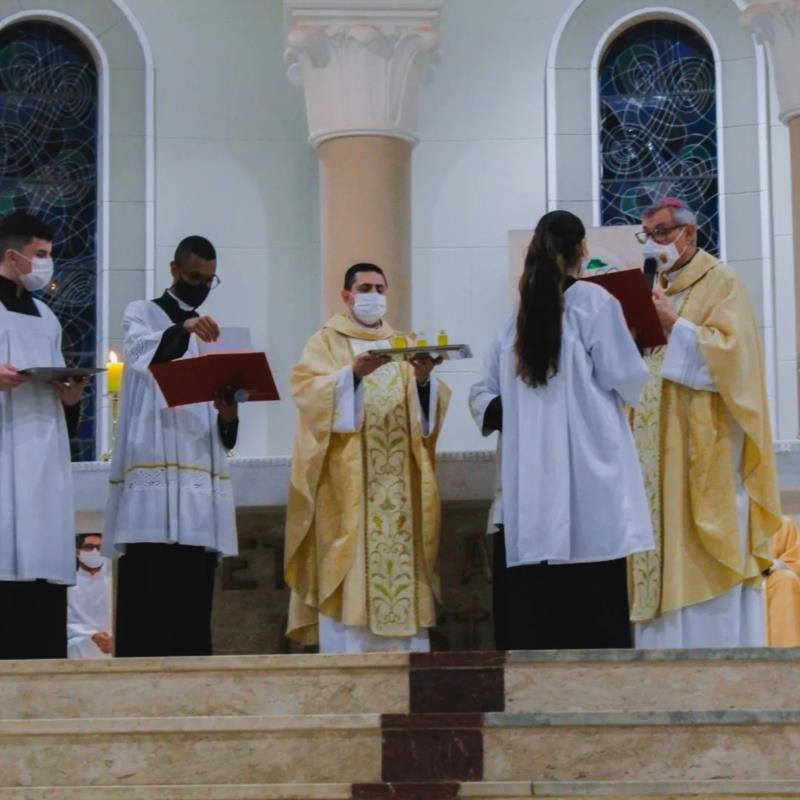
<point>165,592</point>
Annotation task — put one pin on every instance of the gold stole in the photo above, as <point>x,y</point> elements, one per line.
<point>389,513</point>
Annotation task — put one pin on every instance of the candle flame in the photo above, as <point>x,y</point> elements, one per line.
<point>112,357</point>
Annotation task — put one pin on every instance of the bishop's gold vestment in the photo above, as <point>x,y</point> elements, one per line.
<point>684,441</point>
<point>363,518</point>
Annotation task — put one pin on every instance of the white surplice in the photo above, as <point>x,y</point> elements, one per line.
<point>170,480</point>
<point>37,521</point>
<point>738,617</point>
<point>335,636</point>
<point>88,613</point>
<point>570,484</point>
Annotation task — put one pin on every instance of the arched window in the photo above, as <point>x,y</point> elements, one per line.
<point>658,125</point>
<point>48,165</point>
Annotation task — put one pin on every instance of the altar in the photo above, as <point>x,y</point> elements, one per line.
<point>250,596</point>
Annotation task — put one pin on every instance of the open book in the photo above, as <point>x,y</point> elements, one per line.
<point>629,286</point>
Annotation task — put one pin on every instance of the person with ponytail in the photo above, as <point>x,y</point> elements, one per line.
<point>571,504</point>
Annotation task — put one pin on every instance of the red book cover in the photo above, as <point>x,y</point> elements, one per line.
<point>201,378</point>
<point>629,286</point>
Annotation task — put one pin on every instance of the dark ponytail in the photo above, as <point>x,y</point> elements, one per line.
<point>554,249</point>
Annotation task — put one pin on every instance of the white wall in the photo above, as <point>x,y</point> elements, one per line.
<point>786,424</point>
<point>754,169</point>
<point>233,164</point>
<point>479,172</point>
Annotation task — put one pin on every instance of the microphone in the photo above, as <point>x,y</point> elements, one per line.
<point>232,396</point>
<point>650,270</point>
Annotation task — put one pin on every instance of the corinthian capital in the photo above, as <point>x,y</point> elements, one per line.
<point>362,63</point>
<point>777,25</point>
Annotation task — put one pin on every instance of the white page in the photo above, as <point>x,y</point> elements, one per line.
<point>229,339</point>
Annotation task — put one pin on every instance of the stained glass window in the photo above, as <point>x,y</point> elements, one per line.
<point>658,125</point>
<point>48,165</point>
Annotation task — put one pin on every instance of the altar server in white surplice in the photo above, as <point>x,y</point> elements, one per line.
<point>572,504</point>
<point>89,602</point>
<point>37,539</point>
<point>170,513</point>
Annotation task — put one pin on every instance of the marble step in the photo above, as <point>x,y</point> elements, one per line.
<point>191,750</point>
<point>260,791</point>
<point>504,790</point>
<point>368,749</point>
<point>394,683</point>
<point>217,685</point>
<point>664,680</point>
<point>675,790</point>
<point>649,746</point>
<point>194,791</point>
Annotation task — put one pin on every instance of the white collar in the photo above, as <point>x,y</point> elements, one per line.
<point>183,306</point>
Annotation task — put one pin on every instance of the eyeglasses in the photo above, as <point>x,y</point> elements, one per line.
<point>660,234</point>
<point>211,282</point>
<point>89,547</point>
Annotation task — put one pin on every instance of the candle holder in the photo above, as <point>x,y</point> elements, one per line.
<point>114,373</point>
<point>114,397</point>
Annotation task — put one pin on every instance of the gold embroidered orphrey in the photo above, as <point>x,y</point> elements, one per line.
<point>644,569</point>
<point>389,512</point>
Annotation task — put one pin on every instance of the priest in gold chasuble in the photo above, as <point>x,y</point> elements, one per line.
<point>363,518</point>
<point>705,447</point>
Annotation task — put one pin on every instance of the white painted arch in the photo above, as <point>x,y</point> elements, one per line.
<point>117,177</point>
<point>582,36</point>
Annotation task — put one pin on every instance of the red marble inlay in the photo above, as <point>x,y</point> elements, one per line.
<point>432,747</point>
<point>453,690</point>
<point>445,790</point>
<point>428,721</point>
<point>469,658</point>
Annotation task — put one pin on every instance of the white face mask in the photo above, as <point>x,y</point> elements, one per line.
<point>40,275</point>
<point>369,307</point>
<point>666,255</point>
<point>91,559</point>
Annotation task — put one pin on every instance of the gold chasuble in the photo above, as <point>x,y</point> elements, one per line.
<point>783,588</point>
<point>362,528</point>
<point>684,442</point>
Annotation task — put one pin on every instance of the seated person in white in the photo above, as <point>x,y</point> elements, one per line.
<point>89,602</point>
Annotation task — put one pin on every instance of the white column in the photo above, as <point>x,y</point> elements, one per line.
<point>363,64</point>
<point>777,26</point>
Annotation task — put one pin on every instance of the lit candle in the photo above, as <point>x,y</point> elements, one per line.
<point>114,370</point>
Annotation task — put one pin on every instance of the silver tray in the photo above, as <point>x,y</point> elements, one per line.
<point>47,374</point>
<point>447,351</point>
